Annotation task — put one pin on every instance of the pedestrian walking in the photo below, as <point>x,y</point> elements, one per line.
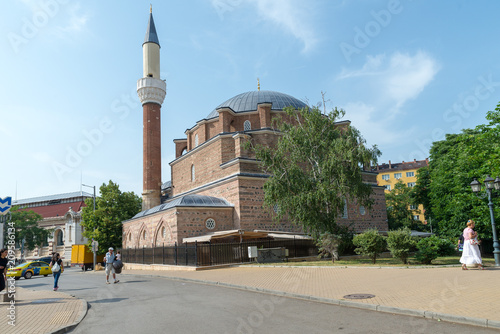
<point>118,255</point>
<point>57,268</point>
<point>3,268</point>
<point>471,254</point>
<point>109,259</point>
<point>460,244</point>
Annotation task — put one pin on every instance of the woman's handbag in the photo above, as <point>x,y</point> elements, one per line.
<point>473,242</point>
<point>56,267</point>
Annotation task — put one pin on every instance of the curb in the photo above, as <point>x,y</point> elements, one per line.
<point>83,313</point>
<point>342,302</point>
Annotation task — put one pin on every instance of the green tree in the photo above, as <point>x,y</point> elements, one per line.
<point>315,166</point>
<point>400,243</point>
<point>454,162</point>
<point>112,207</point>
<point>27,229</point>
<point>369,243</point>
<point>398,203</point>
<point>421,190</point>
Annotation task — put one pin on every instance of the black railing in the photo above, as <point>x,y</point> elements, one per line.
<point>209,254</point>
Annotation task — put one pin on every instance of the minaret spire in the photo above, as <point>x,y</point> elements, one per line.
<point>151,90</point>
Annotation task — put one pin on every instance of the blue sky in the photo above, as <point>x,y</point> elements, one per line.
<point>406,72</point>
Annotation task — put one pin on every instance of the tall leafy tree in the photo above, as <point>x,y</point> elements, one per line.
<point>27,231</point>
<point>112,207</point>
<point>454,162</point>
<point>315,166</point>
<point>421,191</point>
<point>398,203</point>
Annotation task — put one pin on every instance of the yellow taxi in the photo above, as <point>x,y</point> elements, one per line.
<point>29,269</point>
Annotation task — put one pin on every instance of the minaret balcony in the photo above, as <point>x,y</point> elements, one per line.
<point>151,90</point>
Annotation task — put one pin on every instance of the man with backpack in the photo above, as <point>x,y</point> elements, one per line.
<point>109,259</point>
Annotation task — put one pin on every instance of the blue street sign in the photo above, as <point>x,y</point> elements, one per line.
<point>5,205</point>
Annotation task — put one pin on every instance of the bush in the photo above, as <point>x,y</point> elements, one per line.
<point>369,243</point>
<point>335,243</point>
<point>446,247</point>
<point>428,249</point>
<point>400,243</point>
<point>328,245</point>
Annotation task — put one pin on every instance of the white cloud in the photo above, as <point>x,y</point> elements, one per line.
<point>373,127</point>
<point>384,84</point>
<point>293,16</point>
<point>395,79</point>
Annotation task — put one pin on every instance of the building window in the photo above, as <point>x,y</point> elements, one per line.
<point>388,187</point>
<point>410,174</point>
<point>210,223</point>
<point>413,207</point>
<point>164,232</point>
<point>416,217</point>
<point>410,184</point>
<point>344,213</point>
<point>247,126</point>
<point>397,176</point>
<point>362,210</point>
<point>60,238</point>
<point>69,234</point>
<point>144,235</point>
<point>192,173</point>
<point>130,237</point>
<point>196,140</point>
<point>385,177</point>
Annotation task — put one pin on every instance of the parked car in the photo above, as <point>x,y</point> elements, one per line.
<point>47,259</point>
<point>29,269</point>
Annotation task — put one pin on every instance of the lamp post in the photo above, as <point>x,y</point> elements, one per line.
<point>490,184</point>
<point>94,243</point>
<point>94,192</point>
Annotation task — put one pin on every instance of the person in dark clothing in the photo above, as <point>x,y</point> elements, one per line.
<point>3,267</point>
<point>57,268</point>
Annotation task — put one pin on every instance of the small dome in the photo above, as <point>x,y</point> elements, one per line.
<point>248,102</point>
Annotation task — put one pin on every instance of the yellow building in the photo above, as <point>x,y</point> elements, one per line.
<point>390,174</point>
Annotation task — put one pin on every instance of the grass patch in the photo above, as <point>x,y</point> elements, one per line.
<point>381,262</point>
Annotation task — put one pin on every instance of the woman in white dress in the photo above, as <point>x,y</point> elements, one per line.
<point>471,254</point>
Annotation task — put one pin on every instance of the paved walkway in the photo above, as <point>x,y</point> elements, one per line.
<point>41,312</point>
<point>446,293</point>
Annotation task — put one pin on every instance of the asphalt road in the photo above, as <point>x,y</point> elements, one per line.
<point>143,304</point>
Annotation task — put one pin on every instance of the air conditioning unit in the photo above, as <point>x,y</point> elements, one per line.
<point>252,252</point>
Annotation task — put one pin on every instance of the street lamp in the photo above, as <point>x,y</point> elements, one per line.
<point>490,184</point>
<point>94,192</point>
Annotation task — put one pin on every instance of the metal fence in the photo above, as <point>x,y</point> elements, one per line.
<point>209,254</point>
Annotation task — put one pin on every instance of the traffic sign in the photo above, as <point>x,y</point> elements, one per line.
<point>5,205</point>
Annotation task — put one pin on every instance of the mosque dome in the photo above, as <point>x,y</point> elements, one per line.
<point>248,102</point>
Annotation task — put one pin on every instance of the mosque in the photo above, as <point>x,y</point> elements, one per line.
<point>216,186</point>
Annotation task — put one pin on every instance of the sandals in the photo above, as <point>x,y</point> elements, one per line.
<point>464,267</point>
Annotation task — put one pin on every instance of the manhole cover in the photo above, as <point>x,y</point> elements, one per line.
<point>45,301</point>
<point>359,296</point>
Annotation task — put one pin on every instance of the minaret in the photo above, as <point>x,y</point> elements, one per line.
<point>151,90</point>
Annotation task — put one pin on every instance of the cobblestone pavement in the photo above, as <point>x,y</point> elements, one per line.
<point>41,312</point>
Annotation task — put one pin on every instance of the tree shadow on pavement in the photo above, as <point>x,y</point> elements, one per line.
<point>108,300</point>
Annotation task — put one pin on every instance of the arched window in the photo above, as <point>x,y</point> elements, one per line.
<point>196,140</point>
<point>144,235</point>
<point>130,237</point>
<point>247,126</point>
<point>192,173</point>
<point>164,232</point>
<point>60,238</point>
<point>344,214</point>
